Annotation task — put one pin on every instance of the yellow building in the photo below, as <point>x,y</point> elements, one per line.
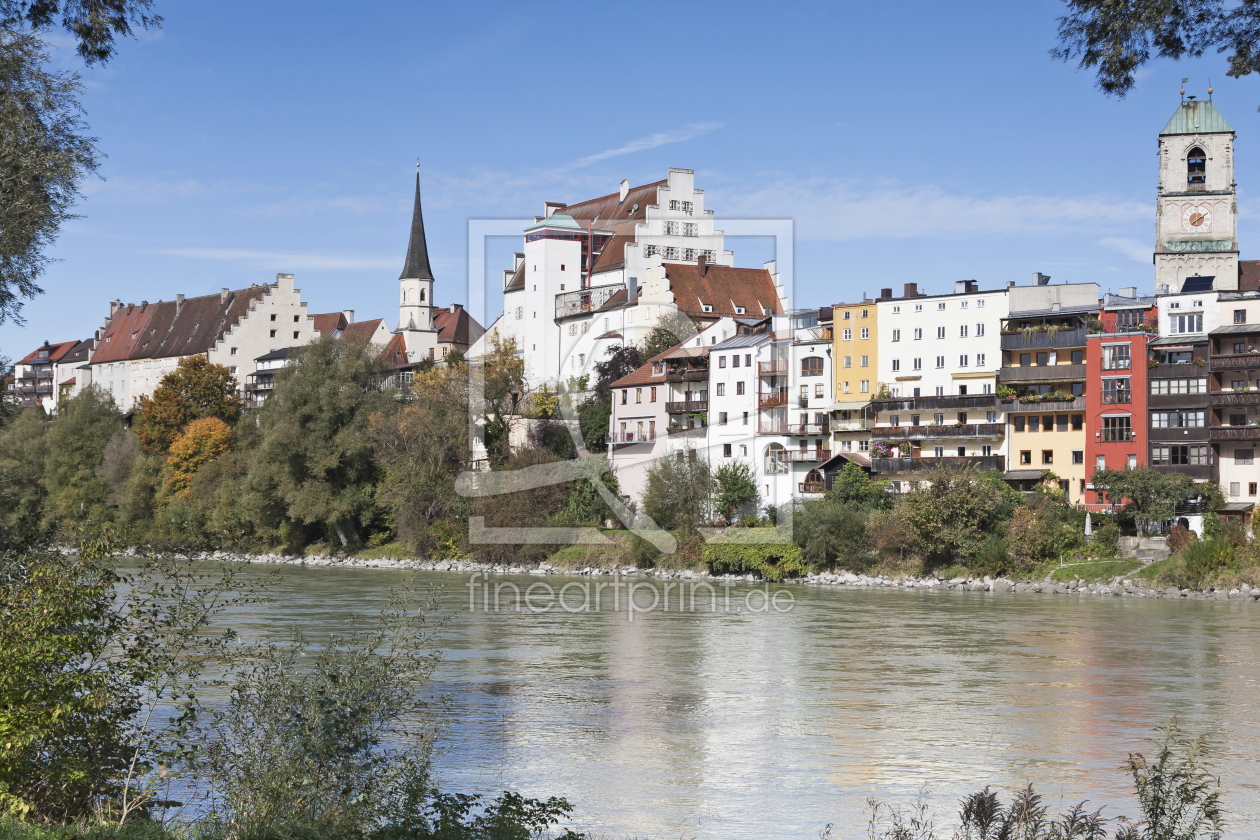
<point>855,345</point>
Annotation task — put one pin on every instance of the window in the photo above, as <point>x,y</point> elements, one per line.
<point>865,312</point>
<point>1244,456</point>
<point>638,395</point>
<point>866,361</point>
<point>848,334</point>
<point>940,307</point>
<point>1043,359</point>
<point>273,317</point>
<point>812,366</point>
<point>1196,168</point>
<point>896,335</point>
<point>914,419</point>
<point>818,389</point>
<point>1240,316</point>
<point>1025,359</point>
<point>894,420</point>
<point>991,417</point>
<point>1186,323</point>
<point>918,364</point>
<point>654,394</point>
<point>232,369</point>
<point>233,353</point>
<point>776,459</point>
<point>1078,456</point>
<point>986,449</point>
<point>721,361</point>
<point>295,333</point>
<point>734,360</point>
<point>273,332</point>
<point>1117,429</point>
<point>940,389</point>
<point>979,360</point>
<point>962,360</point>
<point>1178,386</point>
<point>1116,391</point>
<point>1233,488</point>
<point>748,360</point>
<point>671,253</point>
<point>745,421</point>
<point>726,450</point>
<point>866,333</point>
<point>918,333</point>
<point>980,304</point>
<point>1115,357</point>
<point>864,386</point>
<point>962,330</point>
<point>1251,489</point>
<point>848,361</point>
<point>846,315</point>
<point>1034,423</point>
<point>690,230</point>
<point>1177,419</point>
<point>1025,456</point>
<point>1078,422</point>
<point>624,396</point>
<point>295,319</point>
<point>739,388</point>
<point>1047,456</point>
<point>864,446</point>
<point>896,311</point>
<point>896,365</point>
<point>1100,462</point>
<point>1131,464</point>
<point>721,389</point>
<point>940,332</point>
<point>671,228</point>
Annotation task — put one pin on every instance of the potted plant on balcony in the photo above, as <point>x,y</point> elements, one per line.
<point>1093,325</point>
<point>1006,393</point>
<point>880,450</point>
<point>1198,361</point>
<point>1152,363</point>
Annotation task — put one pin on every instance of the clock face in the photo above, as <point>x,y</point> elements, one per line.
<point>1196,218</point>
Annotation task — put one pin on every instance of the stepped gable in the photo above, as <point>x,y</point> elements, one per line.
<point>724,288</point>
<point>194,326</point>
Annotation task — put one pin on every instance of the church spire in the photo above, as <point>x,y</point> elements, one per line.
<point>417,265</point>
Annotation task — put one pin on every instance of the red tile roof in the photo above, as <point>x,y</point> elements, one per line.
<point>1248,275</point>
<point>612,213</point>
<point>723,288</point>
<point>395,352</point>
<point>641,376</point>
<point>55,352</point>
<point>455,325</point>
<point>329,322</point>
<point>171,328</point>
<point>363,329</point>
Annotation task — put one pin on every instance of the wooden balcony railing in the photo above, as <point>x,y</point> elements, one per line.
<point>805,455</point>
<point>958,430</point>
<point>811,487</point>
<point>774,368</point>
<point>687,375</point>
<point>1244,361</point>
<point>902,465</point>
<point>1234,398</point>
<point>1042,373</point>
<point>1234,433</point>
<point>687,406</point>
<point>981,401</point>
<point>1043,340</point>
<point>771,399</point>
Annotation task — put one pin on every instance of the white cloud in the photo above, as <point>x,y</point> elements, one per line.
<point>1131,248</point>
<point>284,262</point>
<point>834,209</point>
<point>643,144</point>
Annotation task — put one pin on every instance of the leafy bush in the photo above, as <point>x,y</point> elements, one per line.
<point>828,532</point>
<point>1204,557</point>
<point>767,551</point>
<point>1180,537</point>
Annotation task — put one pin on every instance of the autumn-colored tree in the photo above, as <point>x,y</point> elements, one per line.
<point>202,441</point>
<point>194,390</point>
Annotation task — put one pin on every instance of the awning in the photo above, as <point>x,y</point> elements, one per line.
<point>1235,507</point>
<point>1023,475</point>
<point>986,374</point>
<point>849,406</point>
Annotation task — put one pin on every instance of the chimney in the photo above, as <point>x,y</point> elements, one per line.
<point>703,265</point>
<point>885,294</point>
<point>1056,307</point>
<point>1010,284</point>
<point>632,289</point>
<point>1161,289</point>
<point>960,287</point>
<point>114,306</point>
<point>349,313</point>
<point>1040,279</point>
<point>549,207</point>
<point>625,189</point>
<point>912,290</point>
<point>179,303</point>
<point>1129,292</point>
<point>223,295</point>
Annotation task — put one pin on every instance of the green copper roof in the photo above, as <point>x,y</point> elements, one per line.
<point>556,220</point>
<point>1197,118</point>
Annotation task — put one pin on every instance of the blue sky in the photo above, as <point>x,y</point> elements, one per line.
<point>926,142</point>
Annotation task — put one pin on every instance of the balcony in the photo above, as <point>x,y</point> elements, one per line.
<point>793,429</point>
<point>1202,471</point>
<point>811,487</point>
<point>1116,398</point>
<point>628,439</point>
<point>1226,398</point>
<point>1245,361</point>
<point>802,402</point>
<point>905,465</point>
<point>1104,507</point>
<point>957,430</point>
<point>1234,433</point>
<point>775,368</point>
<point>981,401</point>
<point>585,300</point>
<point>1042,340</point>
<point>1180,370</point>
<point>805,455</point>
<point>681,374</point>
<point>1041,373</point>
<point>855,425</point>
<point>771,399</point>
<point>687,407</point>
<point>1179,434</point>
<point>697,431</point>
<point>1074,404</point>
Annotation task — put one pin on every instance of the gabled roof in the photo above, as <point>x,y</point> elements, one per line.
<point>641,376</point>
<point>724,288</point>
<point>55,353</point>
<point>518,280</point>
<point>612,213</point>
<point>455,325</point>
<point>79,353</point>
<point>173,328</point>
<point>329,322</point>
<point>416,265</point>
<point>395,352</point>
<point>1197,118</point>
<point>363,329</point>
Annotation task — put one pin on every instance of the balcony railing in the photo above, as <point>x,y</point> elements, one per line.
<point>811,487</point>
<point>958,430</point>
<point>903,465</point>
<point>856,425</point>
<point>1074,404</point>
<point>1041,373</point>
<point>620,439</point>
<point>805,455</point>
<point>982,401</point>
<point>1234,433</point>
<point>771,399</point>
<point>1116,397</point>
<point>802,402</point>
<point>585,300</point>
<point>793,428</point>
<point>774,368</point>
<point>1042,340</point>
<point>1240,362</point>
<point>1234,398</point>
<point>1105,507</point>
<point>681,374</point>
<point>687,406</point>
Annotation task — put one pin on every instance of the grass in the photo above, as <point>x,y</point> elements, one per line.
<point>389,551</point>
<point>1094,570</point>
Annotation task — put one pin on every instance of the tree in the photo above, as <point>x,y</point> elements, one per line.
<point>315,460</point>
<point>201,442</point>
<point>44,159</point>
<point>23,449</point>
<point>953,510</point>
<point>76,448</point>
<point>854,487</point>
<point>734,488</point>
<point>1117,38</point>
<point>672,328</point>
<point>194,390</point>
<point>827,530</point>
<point>1148,495</point>
<point>502,377</point>
<point>594,412</point>
<point>623,360</point>
<point>93,23</point>
<point>677,493</point>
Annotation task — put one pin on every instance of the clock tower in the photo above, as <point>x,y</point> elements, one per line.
<point>1196,217</point>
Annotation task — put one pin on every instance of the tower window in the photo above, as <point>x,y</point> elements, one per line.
<point>1196,166</point>
<point>422,295</point>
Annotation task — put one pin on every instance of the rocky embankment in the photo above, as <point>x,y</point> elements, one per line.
<point>1118,587</point>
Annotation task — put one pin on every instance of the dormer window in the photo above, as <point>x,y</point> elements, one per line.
<point>1196,167</point>
<point>739,310</point>
<point>706,307</point>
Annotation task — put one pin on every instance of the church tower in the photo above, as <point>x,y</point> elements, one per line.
<point>1196,224</point>
<point>415,294</point>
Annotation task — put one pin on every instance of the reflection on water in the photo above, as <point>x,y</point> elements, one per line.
<point>731,725</point>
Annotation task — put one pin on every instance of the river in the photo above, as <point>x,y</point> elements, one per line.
<point>729,722</point>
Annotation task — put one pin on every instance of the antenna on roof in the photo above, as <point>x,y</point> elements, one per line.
<point>417,166</point>
<point>1183,88</point>
<point>1209,88</point>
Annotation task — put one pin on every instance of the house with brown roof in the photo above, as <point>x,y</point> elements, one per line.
<point>609,264</point>
<point>140,343</point>
<point>38,376</point>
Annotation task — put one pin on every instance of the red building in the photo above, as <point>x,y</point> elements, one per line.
<point>1117,389</point>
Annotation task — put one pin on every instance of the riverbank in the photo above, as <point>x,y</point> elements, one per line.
<point>1130,585</point>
